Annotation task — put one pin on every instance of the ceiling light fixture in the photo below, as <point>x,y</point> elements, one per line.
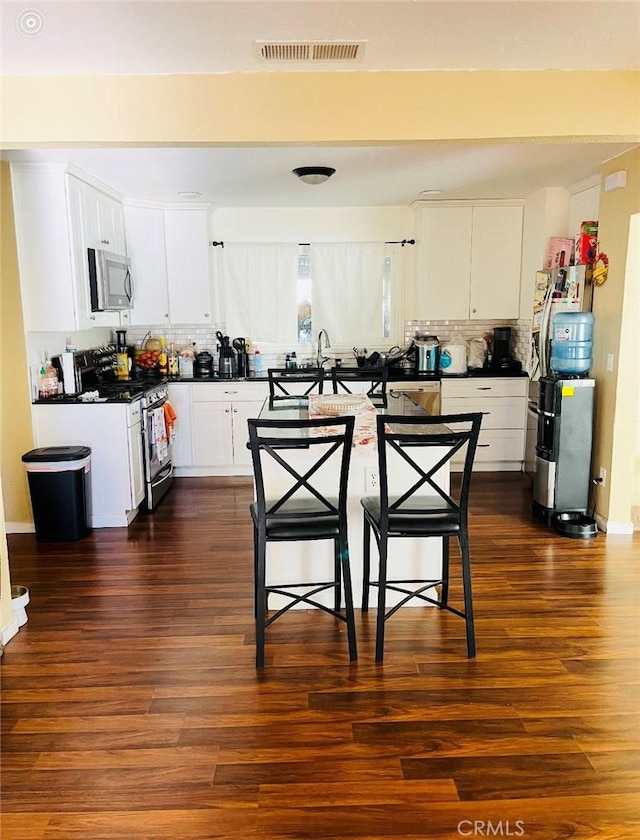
<point>189,194</point>
<point>314,174</point>
<point>431,192</point>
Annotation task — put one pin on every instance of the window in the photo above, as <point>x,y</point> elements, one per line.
<point>304,300</point>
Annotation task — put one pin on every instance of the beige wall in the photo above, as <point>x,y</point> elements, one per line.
<point>617,312</point>
<point>334,107</point>
<point>15,415</point>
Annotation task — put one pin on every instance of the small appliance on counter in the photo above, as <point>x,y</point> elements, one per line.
<point>123,360</point>
<point>501,359</point>
<point>453,357</point>
<point>203,365</point>
<point>427,353</point>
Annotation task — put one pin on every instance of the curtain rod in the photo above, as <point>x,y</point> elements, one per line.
<point>402,242</point>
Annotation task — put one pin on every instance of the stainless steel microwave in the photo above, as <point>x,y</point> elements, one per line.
<point>110,283</point>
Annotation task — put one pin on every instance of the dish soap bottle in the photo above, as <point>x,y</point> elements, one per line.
<point>257,362</point>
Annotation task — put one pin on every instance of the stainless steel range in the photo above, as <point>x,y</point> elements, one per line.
<point>97,384</point>
<point>156,432</point>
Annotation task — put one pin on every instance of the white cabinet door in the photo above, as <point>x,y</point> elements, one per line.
<point>188,276</point>
<point>212,431</point>
<point>469,262</point>
<point>105,221</point>
<point>136,464</point>
<point>146,247</point>
<point>180,399</point>
<point>80,222</point>
<point>241,412</point>
<point>496,252</point>
<point>444,263</point>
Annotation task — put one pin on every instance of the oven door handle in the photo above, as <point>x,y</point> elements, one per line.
<point>163,475</point>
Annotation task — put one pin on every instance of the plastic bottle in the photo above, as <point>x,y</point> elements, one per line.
<point>163,362</point>
<point>257,362</point>
<point>294,361</point>
<point>572,342</point>
<point>47,381</point>
<point>174,361</point>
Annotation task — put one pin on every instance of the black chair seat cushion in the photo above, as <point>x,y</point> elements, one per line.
<point>421,516</point>
<point>300,520</point>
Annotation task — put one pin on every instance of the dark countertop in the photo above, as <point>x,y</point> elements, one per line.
<point>395,375</point>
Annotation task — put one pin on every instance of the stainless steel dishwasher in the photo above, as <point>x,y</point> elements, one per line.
<point>425,394</point>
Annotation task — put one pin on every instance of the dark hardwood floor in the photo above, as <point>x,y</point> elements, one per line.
<point>132,709</point>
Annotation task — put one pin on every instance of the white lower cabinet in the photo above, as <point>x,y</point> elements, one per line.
<point>114,434</point>
<point>216,414</point>
<point>503,403</point>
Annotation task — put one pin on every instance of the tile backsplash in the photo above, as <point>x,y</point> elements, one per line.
<point>464,330</point>
<point>274,355</point>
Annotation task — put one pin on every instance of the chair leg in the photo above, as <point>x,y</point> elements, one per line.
<point>337,599</point>
<point>348,601</point>
<point>382,587</point>
<point>444,595</point>
<point>260,583</point>
<point>463,540</point>
<point>366,564</point>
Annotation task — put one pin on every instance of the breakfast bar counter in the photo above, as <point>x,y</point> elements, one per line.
<point>288,561</point>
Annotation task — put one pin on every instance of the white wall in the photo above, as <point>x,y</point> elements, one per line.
<point>310,224</point>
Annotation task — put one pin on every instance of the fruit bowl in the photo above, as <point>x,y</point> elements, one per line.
<point>147,359</point>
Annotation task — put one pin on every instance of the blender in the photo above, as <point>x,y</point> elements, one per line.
<point>123,361</point>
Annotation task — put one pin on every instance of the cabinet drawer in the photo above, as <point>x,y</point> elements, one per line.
<point>497,412</point>
<point>229,391</point>
<point>500,445</point>
<point>495,445</point>
<point>488,387</point>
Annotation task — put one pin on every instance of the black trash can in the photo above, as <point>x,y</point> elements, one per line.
<point>60,487</point>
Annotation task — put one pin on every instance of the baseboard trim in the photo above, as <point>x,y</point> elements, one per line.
<point>20,528</point>
<point>9,630</point>
<point>611,526</point>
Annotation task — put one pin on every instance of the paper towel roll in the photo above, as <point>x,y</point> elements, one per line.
<point>68,373</point>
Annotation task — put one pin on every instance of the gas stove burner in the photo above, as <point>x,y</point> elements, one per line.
<point>122,390</point>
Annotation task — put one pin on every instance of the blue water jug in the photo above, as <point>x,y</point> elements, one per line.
<point>572,342</point>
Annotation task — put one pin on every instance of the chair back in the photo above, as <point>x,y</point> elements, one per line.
<point>318,485</point>
<point>286,382</point>
<point>425,488</point>
<point>344,377</point>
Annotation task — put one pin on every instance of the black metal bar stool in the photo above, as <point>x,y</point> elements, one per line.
<point>302,511</point>
<point>424,508</point>
<point>286,382</point>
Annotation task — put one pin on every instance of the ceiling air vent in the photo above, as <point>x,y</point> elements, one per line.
<point>310,50</point>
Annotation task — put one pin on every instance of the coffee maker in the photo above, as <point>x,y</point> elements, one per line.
<point>501,359</point>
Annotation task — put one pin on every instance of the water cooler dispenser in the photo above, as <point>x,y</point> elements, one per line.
<point>565,423</point>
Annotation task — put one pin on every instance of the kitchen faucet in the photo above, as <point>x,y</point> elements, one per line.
<point>320,358</point>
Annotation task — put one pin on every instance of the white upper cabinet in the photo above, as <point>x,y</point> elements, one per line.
<point>52,225</point>
<point>146,248</point>
<point>468,262</point>
<point>496,256</point>
<point>188,259</point>
<point>444,263</point>
<point>105,221</point>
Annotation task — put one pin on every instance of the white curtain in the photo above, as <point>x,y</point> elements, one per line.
<point>257,287</point>
<point>347,291</point>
